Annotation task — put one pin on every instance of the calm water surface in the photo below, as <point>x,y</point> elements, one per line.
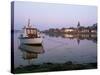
<point>55,50</point>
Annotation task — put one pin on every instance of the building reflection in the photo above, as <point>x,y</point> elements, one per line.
<point>78,37</point>
<point>78,41</point>
<point>30,52</point>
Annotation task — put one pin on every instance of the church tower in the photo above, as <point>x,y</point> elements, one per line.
<point>78,26</point>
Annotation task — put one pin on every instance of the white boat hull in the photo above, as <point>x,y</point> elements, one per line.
<point>31,40</point>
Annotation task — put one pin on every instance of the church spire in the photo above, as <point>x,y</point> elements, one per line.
<point>78,24</point>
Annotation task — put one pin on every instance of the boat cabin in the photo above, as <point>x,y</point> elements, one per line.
<point>31,32</point>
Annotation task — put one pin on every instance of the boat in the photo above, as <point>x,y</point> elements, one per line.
<point>30,35</point>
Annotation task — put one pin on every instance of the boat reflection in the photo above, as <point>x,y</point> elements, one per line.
<point>30,52</point>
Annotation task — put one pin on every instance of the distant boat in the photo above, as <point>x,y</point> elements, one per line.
<point>30,35</point>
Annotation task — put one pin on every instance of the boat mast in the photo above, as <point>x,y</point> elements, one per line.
<point>28,22</point>
<point>24,30</point>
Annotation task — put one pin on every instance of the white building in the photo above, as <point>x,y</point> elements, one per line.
<point>68,30</point>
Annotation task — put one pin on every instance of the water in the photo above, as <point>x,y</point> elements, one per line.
<point>56,49</point>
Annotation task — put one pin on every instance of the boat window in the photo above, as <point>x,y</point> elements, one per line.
<point>28,31</point>
<point>32,31</point>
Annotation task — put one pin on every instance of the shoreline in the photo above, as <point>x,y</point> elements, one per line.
<point>47,67</point>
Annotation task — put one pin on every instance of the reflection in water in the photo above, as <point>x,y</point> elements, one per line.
<point>60,49</point>
<point>30,52</point>
<point>78,41</point>
<point>79,37</point>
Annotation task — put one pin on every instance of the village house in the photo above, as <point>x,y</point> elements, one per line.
<point>67,30</point>
<point>93,31</point>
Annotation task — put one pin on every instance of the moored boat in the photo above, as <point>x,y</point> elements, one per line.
<point>30,35</point>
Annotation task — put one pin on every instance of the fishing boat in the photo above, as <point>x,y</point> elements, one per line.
<point>30,35</point>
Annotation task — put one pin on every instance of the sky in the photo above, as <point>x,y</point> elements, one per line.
<point>50,15</point>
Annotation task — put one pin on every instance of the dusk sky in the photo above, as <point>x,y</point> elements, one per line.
<point>49,15</point>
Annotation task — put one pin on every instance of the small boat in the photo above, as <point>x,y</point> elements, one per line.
<point>30,35</point>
